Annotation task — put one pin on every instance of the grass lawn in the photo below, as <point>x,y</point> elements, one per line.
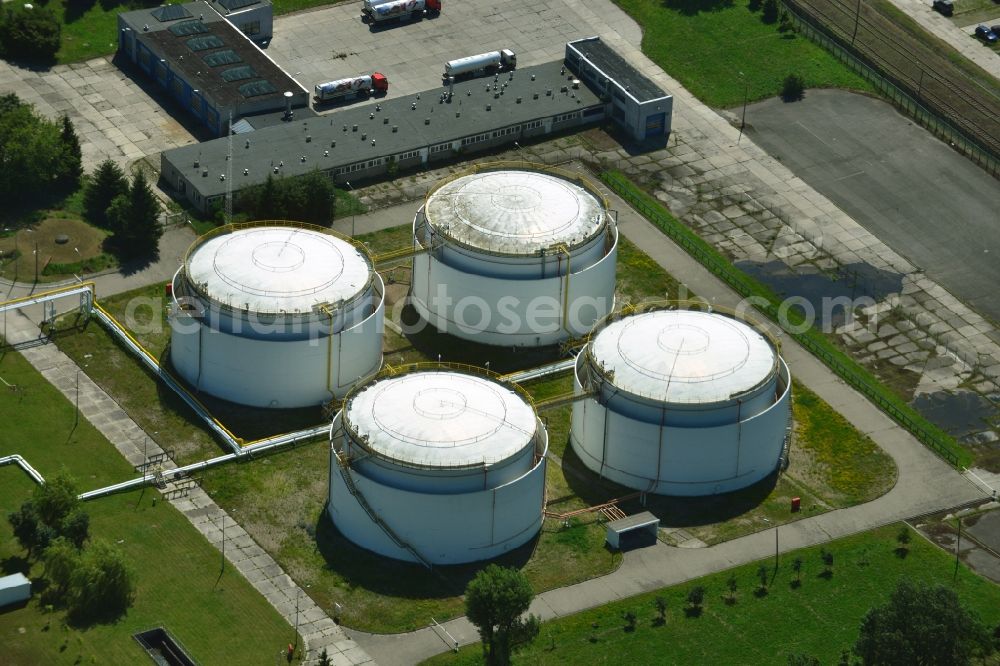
<point>705,44</point>
<point>177,571</point>
<point>819,618</point>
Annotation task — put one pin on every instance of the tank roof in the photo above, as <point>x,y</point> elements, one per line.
<point>277,269</point>
<point>683,356</point>
<point>441,419</point>
<point>515,212</point>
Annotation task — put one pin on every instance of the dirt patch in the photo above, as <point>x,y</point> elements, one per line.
<point>82,242</point>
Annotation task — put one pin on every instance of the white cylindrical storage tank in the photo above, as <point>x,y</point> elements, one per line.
<point>681,402</point>
<point>514,255</point>
<point>438,467</point>
<point>276,315</point>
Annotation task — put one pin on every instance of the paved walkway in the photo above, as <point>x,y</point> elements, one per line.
<point>317,629</point>
<point>924,484</point>
<point>942,28</point>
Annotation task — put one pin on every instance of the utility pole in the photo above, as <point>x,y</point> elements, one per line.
<point>223,567</point>
<point>857,19</point>
<point>229,173</point>
<point>746,96</point>
<point>76,420</point>
<point>958,550</point>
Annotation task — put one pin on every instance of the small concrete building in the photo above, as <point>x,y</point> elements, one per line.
<point>14,589</point>
<point>637,104</point>
<point>254,18</point>
<point>205,63</point>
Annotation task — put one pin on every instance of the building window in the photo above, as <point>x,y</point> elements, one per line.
<point>507,131</point>
<point>409,155</point>
<point>251,28</point>
<point>440,148</point>
<point>566,116</point>
<point>469,140</point>
<point>533,124</point>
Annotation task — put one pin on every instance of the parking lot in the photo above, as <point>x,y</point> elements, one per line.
<point>332,43</point>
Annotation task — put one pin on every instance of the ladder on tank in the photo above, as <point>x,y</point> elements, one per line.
<point>345,472</point>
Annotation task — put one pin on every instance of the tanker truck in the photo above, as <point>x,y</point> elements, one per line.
<point>484,63</point>
<point>359,85</point>
<point>381,11</point>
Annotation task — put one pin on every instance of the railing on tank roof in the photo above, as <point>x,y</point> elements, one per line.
<point>509,165</point>
<point>630,309</point>
<point>258,224</point>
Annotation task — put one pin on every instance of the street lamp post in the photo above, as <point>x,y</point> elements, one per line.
<point>746,96</point>
<point>768,521</point>
<point>520,152</point>
<point>348,183</point>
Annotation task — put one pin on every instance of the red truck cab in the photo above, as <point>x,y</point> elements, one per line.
<point>379,82</point>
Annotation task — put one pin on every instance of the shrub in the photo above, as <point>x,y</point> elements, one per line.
<point>793,88</point>
<point>770,11</point>
<point>30,34</point>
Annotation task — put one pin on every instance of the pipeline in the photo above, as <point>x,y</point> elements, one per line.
<point>246,452</point>
<point>540,371</point>
<point>23,464</point>
<point>153,365</point>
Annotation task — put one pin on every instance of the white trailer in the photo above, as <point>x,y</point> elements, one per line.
<point>14,589</point>
<point>357,85</point>
<point>493,61</point>
<point>378,11</point>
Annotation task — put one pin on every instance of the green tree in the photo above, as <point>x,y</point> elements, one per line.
<point>827,558</point>
<point>660,604</point>
<point>762,573</point>
<point>56,499</point>
<point>797,568</point>
<point>106,182</point>
<point>324,659</point>
<point>31,153</point>
<point>72,167</point>
<point>630,619</point>
<point>75,527</point>
<point>30,34</point>
<point>495,601</point>
<point>731,584</point>
<point>793,88</point>
<point>921,626</point>
<point>134,219</point>
<point>903,539</point>
<point>27,527</point>
<point>695,597</point>
<point>306,198</point>
<point>61,560</point>
<point>102,586</point>
<point>770,11</point>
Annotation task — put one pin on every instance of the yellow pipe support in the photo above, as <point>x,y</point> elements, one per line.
<point>561,247</point>
<point>156,362</point>
<point>54,292</point>
<point>329,351</point>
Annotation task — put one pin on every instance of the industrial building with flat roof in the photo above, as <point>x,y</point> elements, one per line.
<point>209,66</point>
<point>360,142</point>
<point>638,104</point>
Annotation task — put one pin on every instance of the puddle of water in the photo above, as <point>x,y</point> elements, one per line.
<point>959,413</point>
<point>850,281</point>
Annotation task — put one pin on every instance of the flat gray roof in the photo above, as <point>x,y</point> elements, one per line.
<point>628,523</point>
<point>618,69</point>
<point>430,123</point>
<point>210,53</point>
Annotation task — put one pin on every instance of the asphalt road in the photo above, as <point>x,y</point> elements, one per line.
<point>894,178</point>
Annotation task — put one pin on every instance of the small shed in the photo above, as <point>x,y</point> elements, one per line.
<point>628,530</point>
<point>14,589</point>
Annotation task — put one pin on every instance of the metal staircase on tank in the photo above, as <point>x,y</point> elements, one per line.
<point>345,472</point>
